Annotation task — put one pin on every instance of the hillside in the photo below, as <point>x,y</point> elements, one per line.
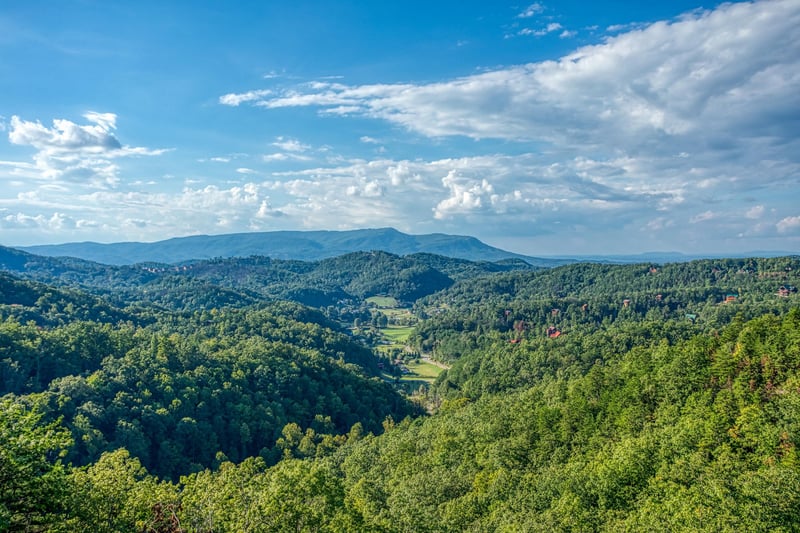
<point>668,400</point>
<point>238,282</point>
<point>181,391</point>
<point>299,245</point>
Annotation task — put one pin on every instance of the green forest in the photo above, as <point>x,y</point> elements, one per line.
<point>250,395</point>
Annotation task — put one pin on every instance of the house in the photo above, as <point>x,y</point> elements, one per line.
<point>553,332</point>
<point>786,290</point>
<point>730,298</point>
<point>626,302</point>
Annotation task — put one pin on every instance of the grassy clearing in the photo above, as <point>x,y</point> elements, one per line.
<point>396,313</point>
<point>383,301</point>
<point>397,334</point>
<point>422,370</point>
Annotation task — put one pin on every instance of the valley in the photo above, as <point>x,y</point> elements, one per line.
<point>376,392</point>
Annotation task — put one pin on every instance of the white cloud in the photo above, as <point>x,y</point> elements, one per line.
<point>466,195</point>
<point>244,170</point>
<point>291,145</point>
<point>755,212</point>
<point>56,222</point>
<point>540,32</point>
<point>788,225</point>
<point>491,196</point>
<point>369,140</point>
<point>73,152</point>
<point>234,99</point>
<point>280,156</point>
<point>531,10</point>
<point>66,135</point>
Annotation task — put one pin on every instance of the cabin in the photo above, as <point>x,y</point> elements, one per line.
<point>785,290</point>
<point>730,298</point>
<point>553,332</point>
<point>626,302</point>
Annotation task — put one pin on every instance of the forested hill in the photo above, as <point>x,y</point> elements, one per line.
<point>183,391</point>
<point>298,245</point>
<point>581,398</point>
<point>243,281</point>
<point>570,300</point>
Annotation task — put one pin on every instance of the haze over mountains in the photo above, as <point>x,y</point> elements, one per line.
<point>317,245</point>
<point>299,245</point>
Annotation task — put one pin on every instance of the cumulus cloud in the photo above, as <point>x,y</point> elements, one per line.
<point>73,152</point>
<point>55,222</point>
<point>492,196</point>
<point>789,225</point>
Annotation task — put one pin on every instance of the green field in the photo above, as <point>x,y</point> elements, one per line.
<point>397,334</point>
<point>383,301</point>
<point>422,371</point>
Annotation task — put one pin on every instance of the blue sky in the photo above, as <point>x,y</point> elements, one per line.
<point>543,128</point>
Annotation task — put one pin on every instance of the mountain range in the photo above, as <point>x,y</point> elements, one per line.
<point>318,245</point>
<point>298,245</point>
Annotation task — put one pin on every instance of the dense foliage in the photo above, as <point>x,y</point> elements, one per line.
<point>240,282</point>
<point>678,410</point>
<point>182,389</point>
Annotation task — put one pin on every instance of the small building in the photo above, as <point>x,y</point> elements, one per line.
<point>730,298</point>
<point>786,290</point>
<point>626,302</point>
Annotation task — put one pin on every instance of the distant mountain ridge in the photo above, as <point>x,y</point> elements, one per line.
<point>299,245</point>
